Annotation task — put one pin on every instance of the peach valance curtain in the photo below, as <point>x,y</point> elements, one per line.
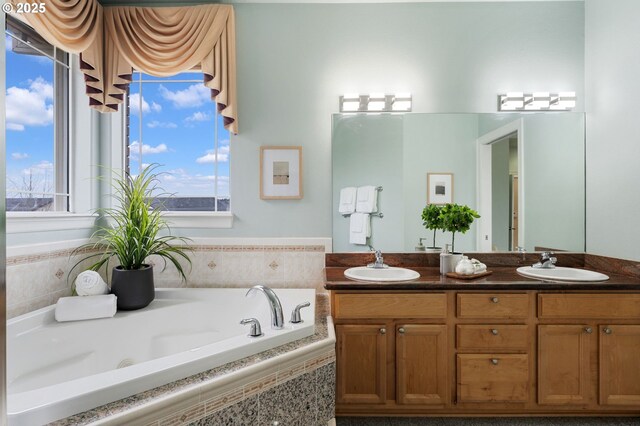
<point>159,41</point>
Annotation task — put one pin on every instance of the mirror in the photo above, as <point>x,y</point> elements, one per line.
<point>523,172</point>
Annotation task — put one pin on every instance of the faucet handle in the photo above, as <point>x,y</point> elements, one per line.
<point>295,315</point>
<point>256,330</point>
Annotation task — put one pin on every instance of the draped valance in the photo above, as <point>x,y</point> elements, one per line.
<point>160,41</point>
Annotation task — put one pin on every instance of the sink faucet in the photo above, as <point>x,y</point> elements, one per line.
<point>546,261</point>
<point>379,263</point>
<point>277,318</point>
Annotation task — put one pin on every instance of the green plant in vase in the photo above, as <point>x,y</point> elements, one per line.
<point>457,218</point>
<point>137,231</point>
<point>432,220</point>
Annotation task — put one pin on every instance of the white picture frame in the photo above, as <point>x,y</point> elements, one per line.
<point>439,188</point>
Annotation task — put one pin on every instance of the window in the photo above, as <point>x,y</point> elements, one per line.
<point>37,121</point>
<point>172,121</point>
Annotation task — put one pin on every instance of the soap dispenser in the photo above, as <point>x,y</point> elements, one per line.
<point>445,260</point>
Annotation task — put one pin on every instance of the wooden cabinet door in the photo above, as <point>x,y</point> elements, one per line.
<point>361,352</point>
<point>421,364</point>
<point>620,365</point>
<point>563,364</point>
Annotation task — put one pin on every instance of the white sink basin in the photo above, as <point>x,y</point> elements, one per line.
<point>562,274</point>
<point>362,273</point>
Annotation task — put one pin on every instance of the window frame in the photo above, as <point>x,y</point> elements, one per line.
<point>177,219</point>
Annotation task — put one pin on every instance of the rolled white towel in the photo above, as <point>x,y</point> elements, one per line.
<point>84,308</point>
<point>90,283</point>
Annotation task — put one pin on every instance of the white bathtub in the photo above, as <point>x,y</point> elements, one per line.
<point>59,369</point>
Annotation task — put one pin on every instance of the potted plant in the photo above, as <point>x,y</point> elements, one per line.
<point>432,220</point>
<point>457,218</point>
<point>134,236</point>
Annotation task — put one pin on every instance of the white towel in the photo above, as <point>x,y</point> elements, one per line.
<point>359,228</point>
<point>367,199</point>
<point>90,283</point>
<point>347,200</point>
<point>78,308</point>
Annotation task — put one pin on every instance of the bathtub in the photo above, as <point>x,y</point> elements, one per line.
<point>56,369</point>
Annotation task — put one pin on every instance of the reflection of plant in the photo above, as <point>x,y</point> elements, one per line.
<point>134,236</point>
<point>457,218</point>
<point>432,219</point>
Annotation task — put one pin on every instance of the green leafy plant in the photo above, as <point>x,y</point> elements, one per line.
<point>138,225</point>
<point>457,218</point>
<point>432,219</point>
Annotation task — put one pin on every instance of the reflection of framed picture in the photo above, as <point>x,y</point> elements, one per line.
<point>439,188</point>
<point>280,172</point>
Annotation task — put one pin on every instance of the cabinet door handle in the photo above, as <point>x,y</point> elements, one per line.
<point>494,331</point>
<point>383,330</point>
<point>588,330</point>
<point>607,330</point>
<point>401,330</point>
<point>495,299</point>
<point>494,361</point>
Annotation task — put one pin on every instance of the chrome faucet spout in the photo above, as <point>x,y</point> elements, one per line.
<point>277,318</point>
<point>547,261</point>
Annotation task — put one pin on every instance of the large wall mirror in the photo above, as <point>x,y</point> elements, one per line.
<point>524,174</point>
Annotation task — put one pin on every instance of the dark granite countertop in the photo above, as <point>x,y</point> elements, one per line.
<point>502,278</point>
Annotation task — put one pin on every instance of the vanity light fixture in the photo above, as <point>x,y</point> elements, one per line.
<point>536,101</point>
<point>375,103</point>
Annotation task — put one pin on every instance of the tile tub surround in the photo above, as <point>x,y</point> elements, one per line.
<point>37,276</point>
<point>235,386</point>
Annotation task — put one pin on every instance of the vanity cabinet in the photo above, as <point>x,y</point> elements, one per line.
<point>480,352</point>
<point>390,349</point>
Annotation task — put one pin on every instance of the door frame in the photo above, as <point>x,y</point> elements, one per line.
<point>483,182</point>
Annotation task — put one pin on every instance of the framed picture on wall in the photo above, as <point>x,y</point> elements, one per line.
<point>280,172</point>
<point>439,188</point>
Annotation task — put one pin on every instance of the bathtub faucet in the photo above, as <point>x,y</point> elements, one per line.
<point>277,318</point>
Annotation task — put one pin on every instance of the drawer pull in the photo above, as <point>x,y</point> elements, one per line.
<point>401,330</point>
<point>588,330</point>
<point>494,361</point>
<point>494,332</point>
<point>607,330</point>
<point>495,299</point>
<point>383,330</point>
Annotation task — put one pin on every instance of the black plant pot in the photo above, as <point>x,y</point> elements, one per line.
<point>133,288</point>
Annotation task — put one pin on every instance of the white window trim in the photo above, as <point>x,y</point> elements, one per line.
<point>31,222</point>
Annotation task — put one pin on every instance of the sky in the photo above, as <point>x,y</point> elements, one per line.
<point>177,130</point>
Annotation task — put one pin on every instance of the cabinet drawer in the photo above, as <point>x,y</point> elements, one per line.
<point>354,306</point>
<point>493,305</point>
<point>492,337</point>
<point>591,306</point>
<point>493,378</point>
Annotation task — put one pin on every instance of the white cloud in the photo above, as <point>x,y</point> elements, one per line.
<point>134,104</point>
<point>19,155</point>
<point>198,116</point>
<point>29,107</point>
<point>134,149</point>
<point>210,156</point>
<point>162,124</point>
<point>156,107</point>
<point>193,96</point>
<point>41,168</point>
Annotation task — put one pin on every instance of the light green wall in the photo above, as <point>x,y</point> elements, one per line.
<point>295,60</point>
<point>368,150</point>
<point>438,143</point>
<point>612,70</point>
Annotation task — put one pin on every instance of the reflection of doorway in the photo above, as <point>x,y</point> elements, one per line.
<point>500,195</point>
<point>514,213</point>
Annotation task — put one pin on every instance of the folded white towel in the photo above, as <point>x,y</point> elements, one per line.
<point>347,200</point>
<point>359,228</point>
<point>84,308</point>
<point>90,283</point>
<point>367,199</point>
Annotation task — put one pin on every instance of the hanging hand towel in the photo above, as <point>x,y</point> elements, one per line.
<point>347,200</point>
<point>359,228</point>
<point>367,199</point>
<point>77,308</point>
